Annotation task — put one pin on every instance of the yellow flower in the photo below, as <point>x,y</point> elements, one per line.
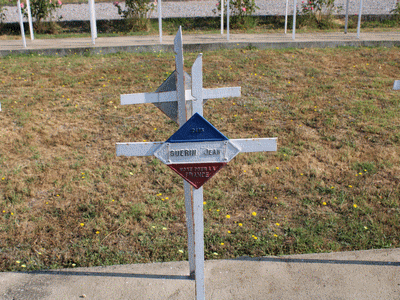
<point>355,205</point>
<point>229,231</point>
<point>204,203</point>
<point>166,198</point>
<point>254,213</point>
<point>222,244</point>
<point>301,174</point>
<point>350,186</point>
<point>240,224</point>
<point>277,168</point>
<point>82,224</point>
<point>24,266</point>
<point>97,232</point>
<point>323,203</point>
<point>180,251</point>
<point>255,237</point>
<point>18,262</point>
<point>277,224</point>
<point>228,216</point>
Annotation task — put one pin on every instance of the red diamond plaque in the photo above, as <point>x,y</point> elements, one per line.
<point>197,174</point>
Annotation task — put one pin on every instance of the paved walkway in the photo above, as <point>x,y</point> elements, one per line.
<point>197,43</point>
<point>360,275</point>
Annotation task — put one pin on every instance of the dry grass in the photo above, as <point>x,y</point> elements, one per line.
<point>66,199</point>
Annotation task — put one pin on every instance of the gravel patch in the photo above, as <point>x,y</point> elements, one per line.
<point>107,11</point>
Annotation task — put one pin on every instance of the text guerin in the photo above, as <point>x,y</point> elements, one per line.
<point>193,152</point>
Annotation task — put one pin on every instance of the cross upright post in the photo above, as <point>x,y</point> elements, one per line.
<point>396,85</point>
<point>207,154</point>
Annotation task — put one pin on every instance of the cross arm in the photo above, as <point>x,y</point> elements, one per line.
<point>245,145</point>
<point>221,93</point>
<point>140,98</point>
<point>256,145</point>
<point>137,149</point>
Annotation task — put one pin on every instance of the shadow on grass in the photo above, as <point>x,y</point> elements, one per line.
<point>244,258</point>
<point>109,274</point>
<point>321,261</point>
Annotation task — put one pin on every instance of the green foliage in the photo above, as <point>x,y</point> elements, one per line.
<point>136,13</point>
<point>42,10</point>
<point>3,9</point>
<point>317,13</point>
<point>396,12</point>
<point>368,167</point>
<point>241,12</point>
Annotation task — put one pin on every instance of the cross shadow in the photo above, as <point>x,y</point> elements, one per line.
<point>108,274</point>
<point>244,258</point>
<point>321,261</point>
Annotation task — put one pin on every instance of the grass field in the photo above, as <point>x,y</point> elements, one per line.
<point>66,200</point>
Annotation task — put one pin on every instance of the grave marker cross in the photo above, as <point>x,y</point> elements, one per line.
<point>181,104</point>
<point>396,85</point>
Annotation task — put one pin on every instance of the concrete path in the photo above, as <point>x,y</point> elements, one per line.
<point>197,43</point>
<point>361,275</point>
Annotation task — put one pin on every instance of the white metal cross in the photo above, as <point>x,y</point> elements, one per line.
<point>187,102</point>
<point>396,85</point>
